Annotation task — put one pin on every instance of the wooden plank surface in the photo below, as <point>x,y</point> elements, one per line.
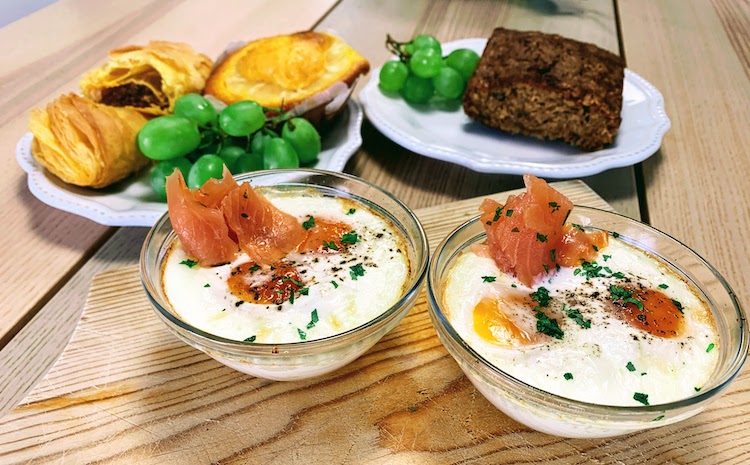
<point>698,185</point>
<point>51,49</point>
<point>126,391</point>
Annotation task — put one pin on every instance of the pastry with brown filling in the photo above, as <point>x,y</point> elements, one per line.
<point>149,78</point>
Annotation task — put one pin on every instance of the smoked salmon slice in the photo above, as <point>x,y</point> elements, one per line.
<point>200,226</point>
<point>264,232</point>
<point>524,233</point>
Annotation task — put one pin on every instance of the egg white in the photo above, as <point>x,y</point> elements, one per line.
<point>597,358</point>
<point>200,295</point>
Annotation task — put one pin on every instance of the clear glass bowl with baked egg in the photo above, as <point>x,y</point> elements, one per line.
<point>357,274</point>
<point>578,354</point>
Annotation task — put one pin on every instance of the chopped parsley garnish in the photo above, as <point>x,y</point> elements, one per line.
<point>663,286</point>
<point>615,234</point>
<point>618,275</point>
<point>619,292</point>
<point>641,397</point>
<point>356,271</point>
<point>189,263</point>
<point>552,255</point>
<point>207,285</point>
<point>606,257</point>
<point>546,267</point>
<point>350,238</point>
<point>302,334</point>
<point>590,270</point>
<point>596,249</point>
<point>568,376</point>
<point>250,339</point>
<point>309,223</point>
<point>514,230</point>
<point>575,315</point>
<point>508,212</point>
<point>548,326</point>
<point>697,389</point>
<point>577,226</point>
<point>351,211</point>
<point>293,281</point>
<point>635,302</point>
<point>498,212</point>
<point>304,291</point>
<point>488,279</point>
<point>541,296</point>
<point>630,366</point>
<point>541,237</point>
<point>678,305</point>
<point>710,347</point>
<point>660,417</point>
<point>291,298</point>
<point>330,245</point>
<point>513,285</point>
<point>313,319</point>
<point>255,268</point>
<point>555,206</point>
<point>244,215</point>
<point>335,284</point>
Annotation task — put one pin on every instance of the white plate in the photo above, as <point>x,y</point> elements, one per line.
<point>132,203</point>
<point>452,136</point>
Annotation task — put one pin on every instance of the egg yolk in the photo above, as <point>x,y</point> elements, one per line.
<point>251,283</point>
<point>327,237</point>
<point>492,324</point>
<point>659,315</point>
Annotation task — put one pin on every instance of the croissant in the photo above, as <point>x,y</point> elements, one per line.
<point>149,78</point>
<point>87,143</point>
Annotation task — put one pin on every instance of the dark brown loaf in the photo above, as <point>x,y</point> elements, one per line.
<point>547,86</point>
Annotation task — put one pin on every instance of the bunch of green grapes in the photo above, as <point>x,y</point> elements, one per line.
<point>199,141</point>
<point>422,71</point>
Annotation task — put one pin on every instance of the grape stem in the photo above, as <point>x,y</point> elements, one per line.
<point>397,48</point>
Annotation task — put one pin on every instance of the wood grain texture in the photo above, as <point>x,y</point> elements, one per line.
<point>52,49</point>
<point>698,185</point>
<point>420,181</point>
<point>126,391</point>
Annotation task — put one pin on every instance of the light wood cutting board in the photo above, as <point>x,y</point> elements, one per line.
<point>125,390</point>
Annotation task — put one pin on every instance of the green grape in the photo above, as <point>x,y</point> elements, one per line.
<point>303,137</point>
<point>426,62</point>
<point>279,153</point>
<point>392,76</point>
<point>249,162</point>
<point>168,137</point>
<point>464,61</point>
<point>205,168</point>
<point>417,89</point>
<point>409,48</point>
<point>242,118</point>
<point>448,83</point>
<point>196,108</point>
<point>160,171</point>
<point>230,154</point>
<point>423,41</point>
<point>259,142</point>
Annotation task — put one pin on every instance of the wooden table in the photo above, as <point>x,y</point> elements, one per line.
<point>697,53</point>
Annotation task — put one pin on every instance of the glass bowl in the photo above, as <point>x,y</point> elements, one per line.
<point>557,415</point>
<point>303,359</point>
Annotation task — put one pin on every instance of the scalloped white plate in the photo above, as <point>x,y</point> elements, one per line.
<point>131,203</point>
<point>450,135</point>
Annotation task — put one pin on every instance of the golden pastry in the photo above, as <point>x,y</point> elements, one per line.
<point>87,143</point>
<point>285,70</point>
<point>149,78</point>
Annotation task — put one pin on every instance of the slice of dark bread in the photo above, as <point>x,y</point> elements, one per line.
<point>549,87</point>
